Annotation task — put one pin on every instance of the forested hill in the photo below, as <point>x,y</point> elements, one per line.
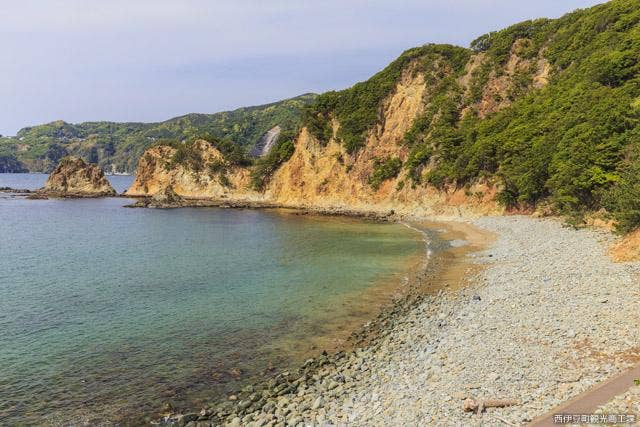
<point>118,146</point>
<point>548,111</point>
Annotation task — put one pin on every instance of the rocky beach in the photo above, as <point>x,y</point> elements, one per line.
<point>544,315</point>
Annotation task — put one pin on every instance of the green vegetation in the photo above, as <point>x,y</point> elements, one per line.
<point>188,154</point>
<point>119,145</point>
<point>623,201</point>
<point>384,170</point>
<point>357,108</point>
<point>266,166</point>
<point>564,143</point>
<point>569,144</point>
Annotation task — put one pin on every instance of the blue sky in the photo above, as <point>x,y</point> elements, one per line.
<point>149,60</point>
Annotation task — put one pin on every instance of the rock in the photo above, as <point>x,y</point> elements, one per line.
<point>166,198</point>
<point>167,408</point>
<point>183,420</point>
<point>244,404</point>
<point>15,190</point>
<point>75,178</point>
<point>236,422</point>
<point>317,403</point>
<point>235,372</point>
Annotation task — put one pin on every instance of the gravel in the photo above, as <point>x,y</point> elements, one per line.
<point>549,317</point>
<point>626,404</point>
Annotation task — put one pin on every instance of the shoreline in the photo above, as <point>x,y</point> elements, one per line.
<point>442,268</point>
<point>321,392</point>
<point>510,335</point>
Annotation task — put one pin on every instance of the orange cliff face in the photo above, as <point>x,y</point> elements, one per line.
<point>326,176</point>
<point>155,172</point>
<point>321,176</point>
<point>75,178</point>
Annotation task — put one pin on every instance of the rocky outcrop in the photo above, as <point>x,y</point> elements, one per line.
<point>163,199</point>
<point>9,164</point>
<point>75,178</point>
<point>212,178</point>
<point>322,177</point>
<point>266,143</point>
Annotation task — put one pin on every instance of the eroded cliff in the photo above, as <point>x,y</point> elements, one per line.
<point>544,115</point>
<point>321,175</point>
<point>203,173</point>
<point>75,178</point>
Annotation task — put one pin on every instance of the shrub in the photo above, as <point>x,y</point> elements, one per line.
<point>623,200</point>
<point>384,170</point>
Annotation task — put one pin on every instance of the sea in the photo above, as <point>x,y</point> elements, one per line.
<point>109,313</point>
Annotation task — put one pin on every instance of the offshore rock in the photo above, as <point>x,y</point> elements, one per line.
<point>75,178</point>
<point>163,199</point>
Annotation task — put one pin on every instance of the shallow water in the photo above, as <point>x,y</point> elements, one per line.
<point>106,312</point>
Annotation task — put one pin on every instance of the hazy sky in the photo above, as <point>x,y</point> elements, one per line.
<point>149,60</point>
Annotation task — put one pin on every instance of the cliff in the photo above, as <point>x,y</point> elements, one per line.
<point>194,171</point>
<point>75,178</point>
<point>316,175</point>
<point>544,115</point>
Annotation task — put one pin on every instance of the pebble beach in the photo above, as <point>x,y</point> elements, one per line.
<point>545,316</point>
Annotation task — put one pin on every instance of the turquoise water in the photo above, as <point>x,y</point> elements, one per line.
<point>107,312</point>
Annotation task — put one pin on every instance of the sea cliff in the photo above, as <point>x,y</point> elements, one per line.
<point>75,178</point>
<point>318,175</point>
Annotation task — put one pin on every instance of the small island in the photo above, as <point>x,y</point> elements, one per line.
<point>74,178</point>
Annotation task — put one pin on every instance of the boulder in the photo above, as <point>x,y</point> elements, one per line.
<point>163,199</point>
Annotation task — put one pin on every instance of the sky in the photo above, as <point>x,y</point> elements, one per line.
<point>150,60</point>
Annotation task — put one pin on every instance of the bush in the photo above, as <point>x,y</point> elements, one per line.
<point>186,155</point>
<point>357,108</point>
<point>384,170</point>
<point>623,201</point>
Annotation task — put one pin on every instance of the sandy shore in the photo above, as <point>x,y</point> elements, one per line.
<point>539,315</point>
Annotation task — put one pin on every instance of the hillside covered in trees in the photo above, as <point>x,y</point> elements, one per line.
<point>118,146</point>
<point>548,110</point>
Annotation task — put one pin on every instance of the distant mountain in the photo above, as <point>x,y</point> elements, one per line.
<point>118,146</point>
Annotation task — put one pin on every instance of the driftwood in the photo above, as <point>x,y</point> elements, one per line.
<point>473,405</point>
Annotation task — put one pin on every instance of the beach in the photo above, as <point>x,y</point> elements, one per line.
<point>539,315</point>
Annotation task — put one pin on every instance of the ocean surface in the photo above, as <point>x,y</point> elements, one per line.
<point>107,313</point>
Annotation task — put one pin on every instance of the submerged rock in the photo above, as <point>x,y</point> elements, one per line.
<point>163,199</point>
<point>75,178</point>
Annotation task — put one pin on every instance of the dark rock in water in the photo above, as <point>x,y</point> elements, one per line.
<point>164,199</point>
<point>36,195</point>
<point>14,190</point>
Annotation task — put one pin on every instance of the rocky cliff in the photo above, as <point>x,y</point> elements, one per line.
<point>542,115</point>
<point>322,175</point>
<point>203,173</point>
<point>325,175</point>
<point>75,178</point>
